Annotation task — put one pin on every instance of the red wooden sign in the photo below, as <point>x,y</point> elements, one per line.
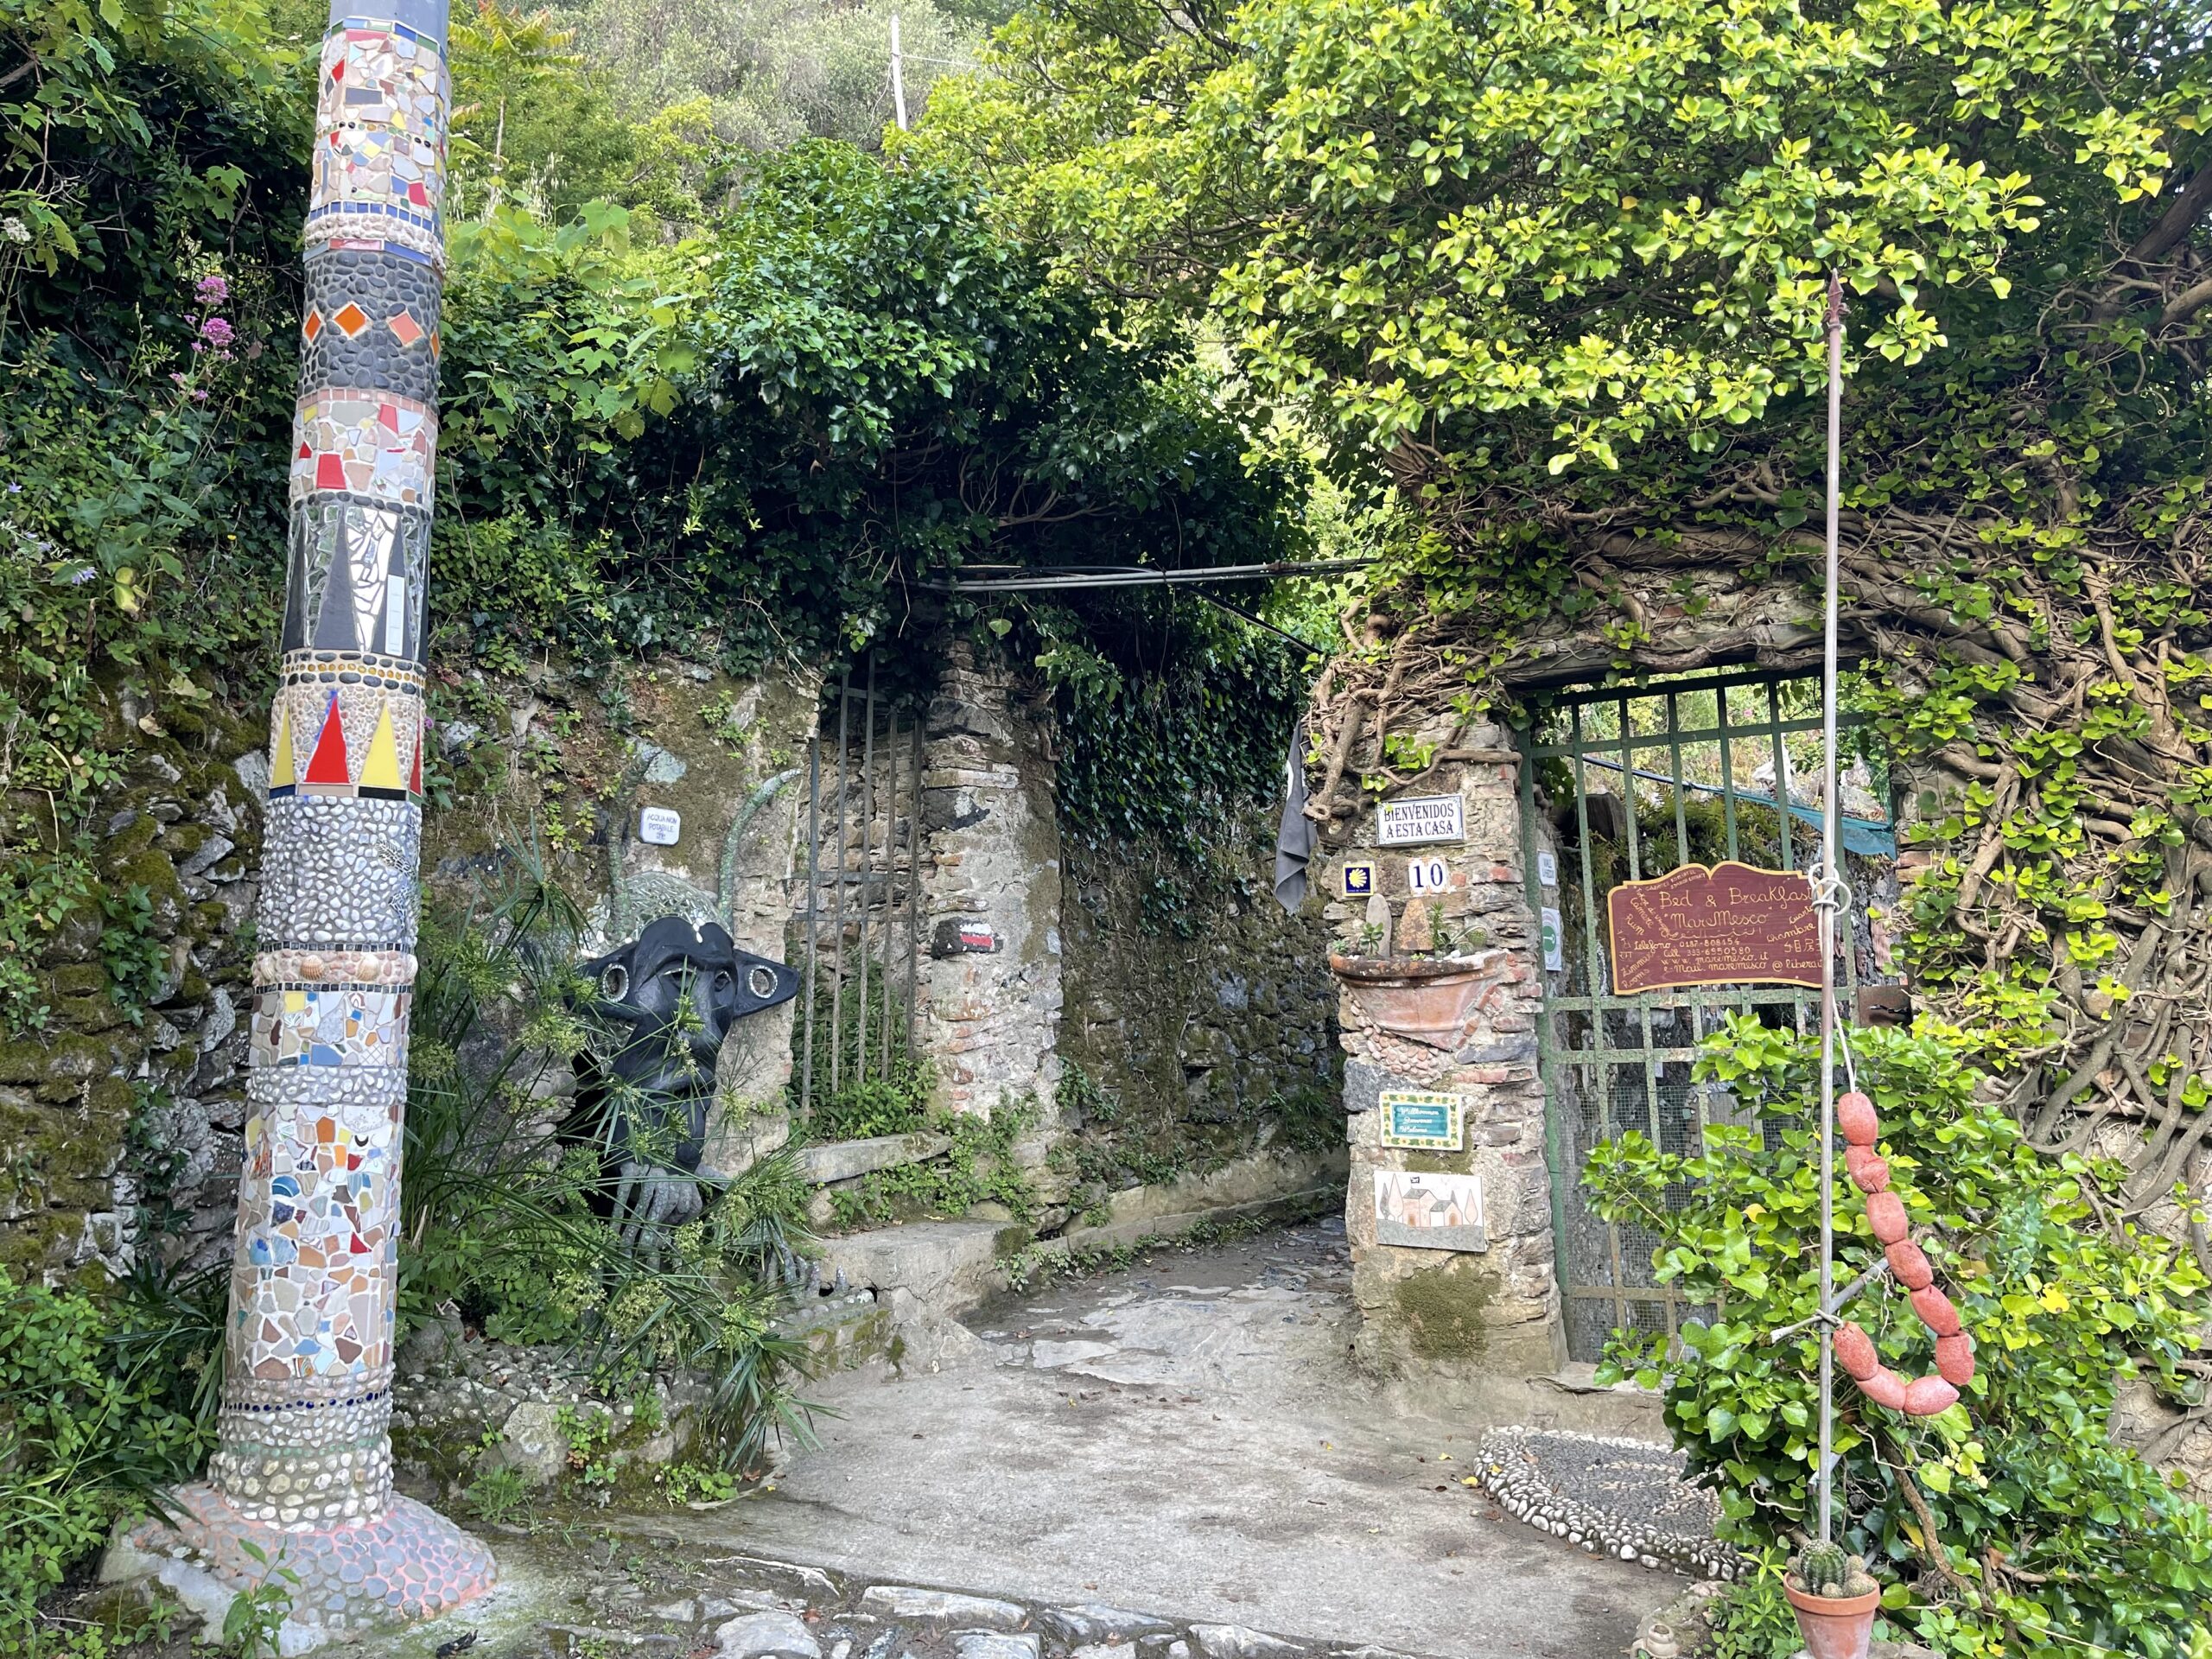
<point>1728,925</point>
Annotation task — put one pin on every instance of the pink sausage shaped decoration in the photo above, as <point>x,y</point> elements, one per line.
<point>1854,1350</point>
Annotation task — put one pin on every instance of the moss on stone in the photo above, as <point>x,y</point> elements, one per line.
<point>1443,1307</point>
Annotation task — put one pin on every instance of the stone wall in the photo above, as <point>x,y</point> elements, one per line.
<point>125,1134</point>
<point>112,1105</point>
<point>1487,1308</point>
<point>987,996</point>
<point>1203,1032</point>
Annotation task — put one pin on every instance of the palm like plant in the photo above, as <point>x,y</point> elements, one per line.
<point>502,52</point>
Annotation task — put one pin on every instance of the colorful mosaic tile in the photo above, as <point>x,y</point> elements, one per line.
<point>394,299</point>
<point>358,569</point>
<point>404,1563</point>
<point>381,138</point>
<point>346,740</point>
<point>313,1283</point>
<point>304,1463</point>
<point>368,443</point>
<point>329,1025</point>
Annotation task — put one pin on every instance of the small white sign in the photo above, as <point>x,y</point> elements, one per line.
<point>1555,945</point>
<point>1547,869</point>
<point>659,826</point>
<point>1426,875</point>
<point>1419,818</point>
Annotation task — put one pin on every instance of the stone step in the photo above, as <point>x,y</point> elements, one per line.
<point>1261,1183</point>
<point>846,1161</point>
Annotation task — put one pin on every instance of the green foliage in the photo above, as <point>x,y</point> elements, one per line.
<point>979,1167</point>
<point>691,1483</point>
<point>507,1202</point>
<point>514,585</point>
<point>256,1619</point>
<point>1175,722</point>
<point>498,1494</point>
<point>1751,1619</point>
<point>767,73</point>
<point>141,419</point>
<point>2043,1524</point>
<point>1613,230</point>
<point>589,1432</point>
<point>745,441</point>
<point>98,1413</point>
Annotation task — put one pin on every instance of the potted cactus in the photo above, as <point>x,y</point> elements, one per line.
<point>1835,1599</point>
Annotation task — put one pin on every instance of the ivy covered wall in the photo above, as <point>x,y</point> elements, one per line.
<point>1183,1047</point>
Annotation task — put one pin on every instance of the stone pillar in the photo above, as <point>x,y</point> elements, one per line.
<point>1488,1310</point>
<point>987,998</point>
<point>304,1471</point>
<point>728,757</point>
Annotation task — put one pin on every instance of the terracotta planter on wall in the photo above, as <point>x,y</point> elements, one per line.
<point>1834,1627</point>
<point>1429,999</point>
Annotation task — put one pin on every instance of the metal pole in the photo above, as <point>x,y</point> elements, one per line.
<point>813,917</point>
<point>1825,909</point>
<point>898,75</point>
<point>913,878</point>
<point>838,901</point>
<point>890,892</point>
<point>867,867</point>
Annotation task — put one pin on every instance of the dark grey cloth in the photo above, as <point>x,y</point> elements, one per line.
<point>1295,840</point>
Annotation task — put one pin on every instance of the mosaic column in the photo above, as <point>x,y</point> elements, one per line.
<point>303,1471</point>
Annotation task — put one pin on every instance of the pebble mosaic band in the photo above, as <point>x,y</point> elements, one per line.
<point>304,1465</point>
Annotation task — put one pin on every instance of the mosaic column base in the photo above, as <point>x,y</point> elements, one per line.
<point>406,1563</point>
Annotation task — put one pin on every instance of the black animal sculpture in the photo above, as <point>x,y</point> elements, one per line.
<point>669,998</point>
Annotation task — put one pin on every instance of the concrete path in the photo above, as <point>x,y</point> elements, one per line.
<point>1187,1438</point>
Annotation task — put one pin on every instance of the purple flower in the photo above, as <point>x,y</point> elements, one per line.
<point>216,331</point>
<point>82,575</point>
<point>211,290</point>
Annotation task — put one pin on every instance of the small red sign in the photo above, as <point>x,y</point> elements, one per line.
<point>1728,925</point>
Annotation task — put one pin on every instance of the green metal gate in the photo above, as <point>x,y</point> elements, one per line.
<point>1623,785</point>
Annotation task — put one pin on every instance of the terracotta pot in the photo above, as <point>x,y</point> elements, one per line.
<point>1429,1000</point>
<point>1834,1627</point>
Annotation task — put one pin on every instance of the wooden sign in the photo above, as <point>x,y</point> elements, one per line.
<point>1729,924</point>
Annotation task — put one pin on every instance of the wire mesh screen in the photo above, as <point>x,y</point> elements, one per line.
<point>1625,785</point>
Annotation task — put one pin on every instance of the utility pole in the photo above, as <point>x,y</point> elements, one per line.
<point>302,1473</point>
<point>898,75</point>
